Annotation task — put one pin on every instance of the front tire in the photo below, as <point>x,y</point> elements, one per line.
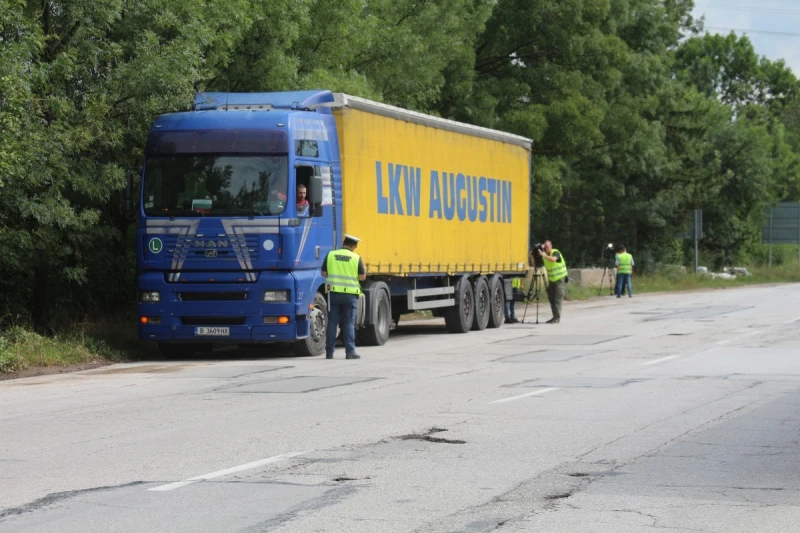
<point>314,344</point>
<point>377,333</point>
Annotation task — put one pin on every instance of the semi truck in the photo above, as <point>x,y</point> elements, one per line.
<point>230,250</point>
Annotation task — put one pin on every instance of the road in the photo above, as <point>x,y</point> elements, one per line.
<point>675,412</point>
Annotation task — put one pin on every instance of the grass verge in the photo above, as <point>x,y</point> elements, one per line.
<point>80,344</point>
<point>668,280</point>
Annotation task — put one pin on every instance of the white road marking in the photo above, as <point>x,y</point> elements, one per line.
<point>232,470</point>
<point>656,361</point>
<point>756,332</point>
<point>792,321</point>
<point>534,393</point>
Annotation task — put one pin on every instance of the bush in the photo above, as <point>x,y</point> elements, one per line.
<point>21,348</point>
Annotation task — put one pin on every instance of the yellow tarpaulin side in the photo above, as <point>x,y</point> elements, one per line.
<point>423,199</point>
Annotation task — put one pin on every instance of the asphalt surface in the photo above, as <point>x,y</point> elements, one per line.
<point>677,412</point>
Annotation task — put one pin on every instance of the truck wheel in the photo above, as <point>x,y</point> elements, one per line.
<point>377,333</point>
<point>497,295</point>
<point>314,344</point>
<point>482,304</point>
<point>459,318</point>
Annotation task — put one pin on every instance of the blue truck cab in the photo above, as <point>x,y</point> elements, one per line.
<point>229,248</point>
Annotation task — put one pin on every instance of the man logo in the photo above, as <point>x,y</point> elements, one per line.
<point>211,253</point>
<point>211,244</point>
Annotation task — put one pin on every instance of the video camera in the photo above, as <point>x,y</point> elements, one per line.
<point>537,260</point>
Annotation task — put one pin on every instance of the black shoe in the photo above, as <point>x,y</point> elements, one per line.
<point>329,356</point>
<point>508,321</point>
<point>515,321</point>
<point>618,296</point>
<point>352,356</point>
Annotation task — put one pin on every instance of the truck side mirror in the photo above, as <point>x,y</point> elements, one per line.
<point>315,190</point>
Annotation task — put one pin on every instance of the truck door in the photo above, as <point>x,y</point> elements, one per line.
<point>314,221</point>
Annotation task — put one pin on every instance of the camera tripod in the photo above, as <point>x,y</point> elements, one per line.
<point>534,292</point>
<point>607,271</point>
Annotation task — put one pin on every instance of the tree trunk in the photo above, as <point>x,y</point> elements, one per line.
<point>41,300</point>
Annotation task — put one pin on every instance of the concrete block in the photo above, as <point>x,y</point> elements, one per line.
<point>590,277</point>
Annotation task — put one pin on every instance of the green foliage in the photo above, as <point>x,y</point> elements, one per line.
<point>21,349</point>
<point>633,126</point>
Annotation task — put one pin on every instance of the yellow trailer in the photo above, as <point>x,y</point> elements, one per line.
<point>442,211</point>
<point>432,196</point>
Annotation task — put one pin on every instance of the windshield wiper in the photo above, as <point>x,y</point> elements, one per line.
<point>240,212</point>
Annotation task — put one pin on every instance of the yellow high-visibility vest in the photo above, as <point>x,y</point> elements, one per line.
<point>625,263</point>
<point>555,271</point>
<point>342,268</point>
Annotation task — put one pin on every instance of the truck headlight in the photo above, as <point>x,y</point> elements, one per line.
<point>276,296</point>
<point>150,297</point>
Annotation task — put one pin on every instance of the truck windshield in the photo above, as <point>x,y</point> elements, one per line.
<point>215,185</point>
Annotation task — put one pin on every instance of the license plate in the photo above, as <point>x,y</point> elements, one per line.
<point>207,331</point>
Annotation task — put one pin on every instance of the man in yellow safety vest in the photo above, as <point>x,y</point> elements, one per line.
<point>556,267</point>
<point>624,265</point>
<point>343,269</point>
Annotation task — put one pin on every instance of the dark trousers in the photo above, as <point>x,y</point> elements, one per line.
<point>624,280</point>
<point>555,293</point>
<point>342,310</point>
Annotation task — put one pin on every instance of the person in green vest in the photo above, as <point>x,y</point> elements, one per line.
<point>556,267</point>
<point>511,303</point>
<point>624,266</point>
<point>343,269</point>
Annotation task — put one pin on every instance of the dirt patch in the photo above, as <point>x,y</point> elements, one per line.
<point>51,370</point>
<point>142,369</point>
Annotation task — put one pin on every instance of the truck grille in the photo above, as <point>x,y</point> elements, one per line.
<point>241,247</point>
<point>212,320</point>
<point>212,296</point>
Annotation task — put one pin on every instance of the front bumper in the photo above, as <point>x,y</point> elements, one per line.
<point>178,315</point>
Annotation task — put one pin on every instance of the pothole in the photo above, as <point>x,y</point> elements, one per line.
<point>578,474</point>
<point>340,479</point>
<point>561,496</point>
<point>429,438</point>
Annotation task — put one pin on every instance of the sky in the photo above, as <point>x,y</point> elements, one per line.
<point>774,25</point>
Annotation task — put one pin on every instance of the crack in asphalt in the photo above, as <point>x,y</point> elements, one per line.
<point>328,499</point>
<point>56,497</point>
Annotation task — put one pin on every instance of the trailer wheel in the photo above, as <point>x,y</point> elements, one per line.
<point>497,296</point>
<point>483,306</point>
<point>314,344</point>
<point>377,333</point>
<point>459,318</point>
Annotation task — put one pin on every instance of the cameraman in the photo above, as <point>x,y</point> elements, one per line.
<point>556,267</point>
